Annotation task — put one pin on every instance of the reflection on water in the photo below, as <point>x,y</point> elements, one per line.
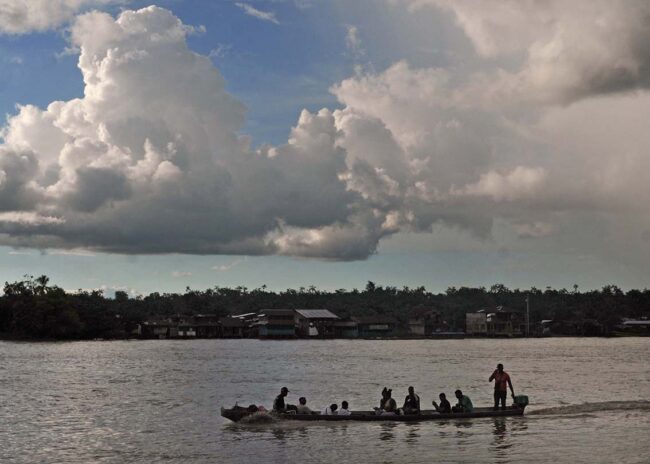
<point>500,445</point>
<point>141,402</point>
<point>500,430</point>
<point>413,433</point>
<point>387,430</point>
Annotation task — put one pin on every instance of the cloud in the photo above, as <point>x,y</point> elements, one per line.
<point>227,267</point>
<point>109,291</point>
<point>23,16</point>
<point>536,229</point>
<point>181,274</point>
<point>255,13</point>
<point>20,253</point>
<point>520,182</point>
<point>152,158</point>
<point>27,218</point>
<point>353,41</point>
<point>220,51</point>
<point>567,51</point>
<point>79,252</point>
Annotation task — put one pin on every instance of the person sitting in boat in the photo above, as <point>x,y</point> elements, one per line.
<point>464,403</point>
<point>344,411</point>
<point>330,410</point>
<point>302,408</point>
<point>278,403</point>
<point>444,407</point>
<point>387,405</point>
<point>501,383</point>
<point>411,403</point>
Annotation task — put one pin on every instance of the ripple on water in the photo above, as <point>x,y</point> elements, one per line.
<point>158,401</point>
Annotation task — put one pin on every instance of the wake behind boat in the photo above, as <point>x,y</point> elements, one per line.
<point>238,413</point>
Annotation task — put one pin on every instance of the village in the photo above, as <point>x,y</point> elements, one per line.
<point>324,324</point>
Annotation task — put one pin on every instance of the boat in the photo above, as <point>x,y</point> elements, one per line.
<point>238,413</point>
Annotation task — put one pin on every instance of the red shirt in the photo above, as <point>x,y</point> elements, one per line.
<point>501,380</point>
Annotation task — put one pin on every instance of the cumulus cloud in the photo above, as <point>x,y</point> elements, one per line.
<point>151,160</point>
<point>22,16</point>
<point>568,50</point>
<point>520,182</point>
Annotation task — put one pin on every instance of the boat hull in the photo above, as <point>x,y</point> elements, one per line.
<point>237,414</point>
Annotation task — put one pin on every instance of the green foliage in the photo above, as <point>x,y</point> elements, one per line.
<point>33,309</point>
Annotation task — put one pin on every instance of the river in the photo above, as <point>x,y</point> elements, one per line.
<point>158,401</point>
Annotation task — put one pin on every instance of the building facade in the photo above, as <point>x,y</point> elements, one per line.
<point>375,326</point>
<point>318,323</point>
<point>277,323</point>
<point>497,323</point>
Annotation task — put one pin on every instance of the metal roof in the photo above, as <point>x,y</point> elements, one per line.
<point>641,322</point>
<point>244,315</point>
<point>316,314</point>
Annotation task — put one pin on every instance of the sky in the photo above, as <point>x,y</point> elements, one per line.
<point>288,143</point>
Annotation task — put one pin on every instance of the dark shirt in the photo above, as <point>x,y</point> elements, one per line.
<point>412,402</point>
<point>278,404</point>
<point>444,406</point>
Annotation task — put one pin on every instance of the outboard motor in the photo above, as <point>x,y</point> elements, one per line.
<point>521,401</point>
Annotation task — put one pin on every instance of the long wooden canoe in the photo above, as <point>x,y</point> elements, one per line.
<point>238,413</point>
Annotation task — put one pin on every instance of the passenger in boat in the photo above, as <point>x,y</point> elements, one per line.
<point>464,403</point>
<point>278,403</point>
<point>330,410</point>
<point>411,403</point>
<point>302,408</point>
<point>344,411</point>
<point>383,398</point>
<point>444,407</point>
<point>501,383</point>
<point>387,405</point>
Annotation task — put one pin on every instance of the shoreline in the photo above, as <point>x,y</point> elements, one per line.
<point>4,338</point>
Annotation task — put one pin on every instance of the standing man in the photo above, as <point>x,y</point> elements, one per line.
<point>501,384</point>
<point>278,404</point>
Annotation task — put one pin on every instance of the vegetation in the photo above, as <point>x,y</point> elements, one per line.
<point>33,309</point>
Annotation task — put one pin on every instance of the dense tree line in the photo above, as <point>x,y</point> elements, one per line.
<point>34,309</point>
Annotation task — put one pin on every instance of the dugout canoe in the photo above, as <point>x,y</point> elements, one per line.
<point>238,413</point>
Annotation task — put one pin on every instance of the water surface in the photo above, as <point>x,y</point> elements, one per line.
<point>158,401</point>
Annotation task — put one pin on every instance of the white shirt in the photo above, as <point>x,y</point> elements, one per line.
<point>328,412</point>
<point>303,409</point>
<point>344,412</point>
